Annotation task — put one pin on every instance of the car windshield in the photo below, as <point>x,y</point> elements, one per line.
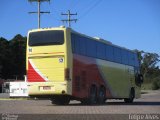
<point>54,37</point>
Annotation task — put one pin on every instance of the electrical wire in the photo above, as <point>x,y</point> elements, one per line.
<point>89,3</point>
<point>74,4</point>
<point>90,9</point>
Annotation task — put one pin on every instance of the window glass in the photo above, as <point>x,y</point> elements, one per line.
<point>109,52</point>
<point>131,59</point>
<point>136,60</point>
<point>117,54</point>
<point>91,48</point>
<point>77,44</point>
<point>101,50</point>
<point>124,54</point>
<point>73,42</point>
<point>52,37</point>
<point>82,42</point>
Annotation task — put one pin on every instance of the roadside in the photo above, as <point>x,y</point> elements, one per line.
<point>5,96</point>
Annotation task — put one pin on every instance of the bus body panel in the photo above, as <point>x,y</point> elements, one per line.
<point>50,68</point>
<point>117,78</point>
<point>47,67</point>
<point>85,74</point>
<point>119,83</point>
<point>47,88</point>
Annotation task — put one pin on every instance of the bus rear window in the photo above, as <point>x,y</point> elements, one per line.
<point>40,38</point>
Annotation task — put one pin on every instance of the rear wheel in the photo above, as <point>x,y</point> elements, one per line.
<point>131,96</point>
<point>93,95</point>
<point>61,100</point>
<point>101,95</point>
<point>84,102</point>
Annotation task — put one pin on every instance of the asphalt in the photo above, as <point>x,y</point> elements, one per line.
<point>148,104</point>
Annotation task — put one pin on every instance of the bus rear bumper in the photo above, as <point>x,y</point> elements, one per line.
<point>47,88</point>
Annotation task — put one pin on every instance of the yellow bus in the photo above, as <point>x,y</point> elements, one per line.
<point>64,65</point>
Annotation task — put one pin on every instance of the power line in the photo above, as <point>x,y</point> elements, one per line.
<point>85,6</point>
<point>69,20</point>
<point>92,7</point>
<point>74,4</point>
<point>39,12</point>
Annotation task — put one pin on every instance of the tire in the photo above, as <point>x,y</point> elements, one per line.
<point>84,102</point>
<point>131,97</point>
<point>61,100</point>
<point>93,95</point>
<point>101,95</point>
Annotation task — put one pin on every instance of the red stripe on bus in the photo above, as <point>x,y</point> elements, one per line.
<point>32,75</point>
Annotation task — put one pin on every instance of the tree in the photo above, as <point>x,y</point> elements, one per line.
<point>149,62</point>
<point>18,47</point>
<point>4,51</point>
<point>13,57</point>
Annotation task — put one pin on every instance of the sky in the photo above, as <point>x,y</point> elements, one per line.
<point>134,24</point>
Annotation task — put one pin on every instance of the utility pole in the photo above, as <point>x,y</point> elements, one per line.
<point>39,12</point>
<point>69,20</point>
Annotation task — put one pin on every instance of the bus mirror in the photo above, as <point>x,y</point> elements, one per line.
<point>140,78</point>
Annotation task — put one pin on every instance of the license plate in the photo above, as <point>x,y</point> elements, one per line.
<point>46,87</point>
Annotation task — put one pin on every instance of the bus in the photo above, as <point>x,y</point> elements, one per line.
<point>64,65</point>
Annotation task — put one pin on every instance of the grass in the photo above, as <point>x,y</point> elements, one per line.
<point>146,86</point>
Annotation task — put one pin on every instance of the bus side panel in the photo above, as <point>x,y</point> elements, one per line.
<point>115,77</point>
<point>86,73</point>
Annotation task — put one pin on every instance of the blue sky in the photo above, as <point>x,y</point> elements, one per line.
<point>134,24</point>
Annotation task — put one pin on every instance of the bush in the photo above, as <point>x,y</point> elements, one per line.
<point>156,84</point>
<point>146,86</point>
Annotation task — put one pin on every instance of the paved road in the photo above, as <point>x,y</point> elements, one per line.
<point>147,104</point>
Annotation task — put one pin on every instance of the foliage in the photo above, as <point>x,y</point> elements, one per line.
<point>146,86</point>
<point>149,68</point>
<point>156,83</point>
<point>149,62</point>
<point>12,57</point>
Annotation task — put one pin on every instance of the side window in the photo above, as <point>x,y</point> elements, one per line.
<point>73,42</point>
<point>77,44</point>
<point>131,58</point>
<point>101,50</point>
<point>124,54</point>
<point>82,42</point>
<point>91,48</point>
<point>117,54</point>
<point>109,53</point>
<point>136,60</point>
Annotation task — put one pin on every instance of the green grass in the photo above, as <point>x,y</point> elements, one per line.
<point>146,86</point>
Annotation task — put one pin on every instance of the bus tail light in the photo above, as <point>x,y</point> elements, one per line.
<point>67,74</point>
